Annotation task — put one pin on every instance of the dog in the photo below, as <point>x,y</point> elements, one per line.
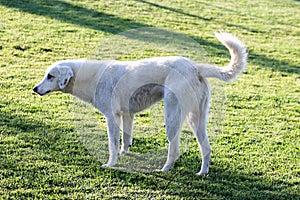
<point>119,89</point>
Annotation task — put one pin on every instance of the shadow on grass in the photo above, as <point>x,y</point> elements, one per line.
<point>52,146</point>
<point>237,12</point>
<point>25,128</point>
<point>199,17</point>
<point>253,58</point>
<point>74,14</point>
<point>219,184</point>
<point>101,21</point>
<point>16,124</point>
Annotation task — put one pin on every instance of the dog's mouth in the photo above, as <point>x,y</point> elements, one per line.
<point>45,93</point>
<point>39,93</point>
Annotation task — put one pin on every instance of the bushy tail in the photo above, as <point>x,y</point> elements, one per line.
<point>237,63</point>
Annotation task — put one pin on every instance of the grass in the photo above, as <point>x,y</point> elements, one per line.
<point>45,151</point>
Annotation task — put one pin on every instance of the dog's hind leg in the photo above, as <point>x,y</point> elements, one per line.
<point>198,123</point>
<point>113,129</point>
<point>174,122</point>
<point>127,119</point>
<point>173,153</point>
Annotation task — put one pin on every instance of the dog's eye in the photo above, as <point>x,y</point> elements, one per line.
<point>49,76</point>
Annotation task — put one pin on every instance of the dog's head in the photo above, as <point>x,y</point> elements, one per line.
<point>57,77</point>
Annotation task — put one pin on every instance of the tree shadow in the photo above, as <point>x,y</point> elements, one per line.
<point>179,182</point>
<point>219,184</point>
<point>257,59</point>
<point>74,14</point>
<point>101,21</point>
<point>176,10</point>
<point>28,128</point>
<point>235,12</point>
<point>254,58</point>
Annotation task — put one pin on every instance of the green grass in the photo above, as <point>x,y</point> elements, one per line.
<point>44,154</point>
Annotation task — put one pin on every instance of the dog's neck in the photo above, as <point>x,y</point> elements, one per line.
<point>84,83</point>
<point>69,88</point>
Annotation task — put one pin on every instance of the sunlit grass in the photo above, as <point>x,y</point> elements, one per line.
<point>254,125</point>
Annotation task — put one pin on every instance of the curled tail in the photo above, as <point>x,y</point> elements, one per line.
<point>237,63</point>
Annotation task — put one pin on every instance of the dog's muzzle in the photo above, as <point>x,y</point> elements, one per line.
<point>36,90</point>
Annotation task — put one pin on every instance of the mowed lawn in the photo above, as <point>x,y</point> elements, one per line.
<point>47,145</point>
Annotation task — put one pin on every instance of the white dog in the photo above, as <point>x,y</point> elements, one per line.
<point>119,89</point>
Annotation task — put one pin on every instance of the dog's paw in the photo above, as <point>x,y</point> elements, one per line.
<point>161,170</point>
<point>166,168</point>
<point>108,165</point>
<point>158,170</point>
<point>202,173</point>
<point>105,165</point>
<point>123,152</point>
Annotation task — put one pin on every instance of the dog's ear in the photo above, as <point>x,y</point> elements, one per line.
<point>65,74</point>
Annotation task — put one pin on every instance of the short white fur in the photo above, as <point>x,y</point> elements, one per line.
<point>119,89</point>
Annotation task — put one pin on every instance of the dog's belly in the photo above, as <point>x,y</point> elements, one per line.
<point>145,96</point>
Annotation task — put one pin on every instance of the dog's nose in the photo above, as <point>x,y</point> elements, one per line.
<point>35,89</point>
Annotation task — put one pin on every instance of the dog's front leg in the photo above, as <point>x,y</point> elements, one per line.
<point>113,129</point>
<point>127,119</point>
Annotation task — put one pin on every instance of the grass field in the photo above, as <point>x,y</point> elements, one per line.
<point>46,154</point>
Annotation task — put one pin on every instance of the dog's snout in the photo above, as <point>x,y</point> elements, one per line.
<point>35,89</point>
